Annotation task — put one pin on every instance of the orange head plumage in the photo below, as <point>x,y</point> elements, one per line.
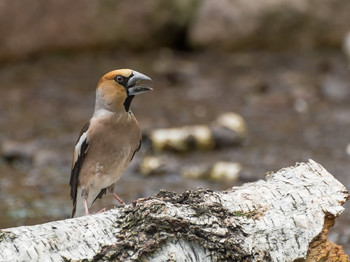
<point>116,89</point>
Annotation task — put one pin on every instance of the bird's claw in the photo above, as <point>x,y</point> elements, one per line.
<point>101,211</point>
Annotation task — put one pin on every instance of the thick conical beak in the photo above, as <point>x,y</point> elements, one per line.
<point>134,88</point>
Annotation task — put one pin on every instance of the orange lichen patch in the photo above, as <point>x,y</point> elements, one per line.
<point>112,74</point>
<point>337,253</point>
<point>322,249</point>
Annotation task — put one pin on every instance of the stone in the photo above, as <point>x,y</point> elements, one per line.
<point>269,24</point>
<point>18,151</point>
<point>220,171</point>
<point>49,25</point>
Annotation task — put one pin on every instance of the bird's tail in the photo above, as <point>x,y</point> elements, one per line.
<point>73,210</point>
<point>78,210</point>
<point>78,207</point>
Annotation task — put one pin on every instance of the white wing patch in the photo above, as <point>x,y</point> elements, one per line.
<point>77,149</point>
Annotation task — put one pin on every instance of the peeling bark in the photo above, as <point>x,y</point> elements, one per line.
<point>285,218</point>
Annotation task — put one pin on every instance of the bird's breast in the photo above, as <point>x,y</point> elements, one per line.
<point>111,148</point>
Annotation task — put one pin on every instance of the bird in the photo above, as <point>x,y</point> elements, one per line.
<point>108,141</point>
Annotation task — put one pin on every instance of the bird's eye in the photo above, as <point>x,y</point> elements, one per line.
<point>119,79</point>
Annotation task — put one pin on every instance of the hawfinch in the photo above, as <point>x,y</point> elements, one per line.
<point>108,142</point>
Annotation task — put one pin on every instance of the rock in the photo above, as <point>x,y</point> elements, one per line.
<point>233,122</point>
<point>46,25</point>
<point>229,129</point>
<point>346,47</point>
<point>44,157</point>
<point>335,88</point>
<point>220,171</point>
<point>301,106</point>
<point>32,152</point>
<point>151,165</point>
<point>225,171</point>
<point>163,164</point>
<point>49,25</point>
<point>182,139</point>
<point>18,151</point>
<point>269,24</point>
<point>158,165</point>
<point>347,149</point>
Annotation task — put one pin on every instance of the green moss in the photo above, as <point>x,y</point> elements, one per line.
<point>249,214</point>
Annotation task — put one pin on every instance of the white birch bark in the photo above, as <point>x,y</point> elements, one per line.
<point>279,219</point>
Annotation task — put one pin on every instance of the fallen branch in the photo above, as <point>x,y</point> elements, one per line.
<point>284,218</point>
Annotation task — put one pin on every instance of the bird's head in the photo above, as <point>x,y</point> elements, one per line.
<point>117,88</point>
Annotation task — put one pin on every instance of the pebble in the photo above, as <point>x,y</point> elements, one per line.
<point>219,171</point>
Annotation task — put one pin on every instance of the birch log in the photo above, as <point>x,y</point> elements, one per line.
<point>285,218</point>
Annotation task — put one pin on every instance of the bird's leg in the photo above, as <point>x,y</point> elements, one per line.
<point>118,199</point>
<point>86,207</point>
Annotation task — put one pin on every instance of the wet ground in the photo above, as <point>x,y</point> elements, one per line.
<point>296,107</point>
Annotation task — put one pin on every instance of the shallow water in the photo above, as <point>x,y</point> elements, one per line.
<point>296,107</point>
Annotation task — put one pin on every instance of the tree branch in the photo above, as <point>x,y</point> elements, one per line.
<point>284,218</point>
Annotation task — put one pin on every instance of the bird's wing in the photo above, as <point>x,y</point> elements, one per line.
<point>81,149</point>
<point>137,149</point>
<point>104,190</point>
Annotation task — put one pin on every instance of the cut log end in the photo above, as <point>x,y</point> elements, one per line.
<point>322,249</point>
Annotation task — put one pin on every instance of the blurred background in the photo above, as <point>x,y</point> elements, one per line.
<point>280,65</point>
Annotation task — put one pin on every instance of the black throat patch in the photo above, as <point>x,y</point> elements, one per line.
<point>127,103</point>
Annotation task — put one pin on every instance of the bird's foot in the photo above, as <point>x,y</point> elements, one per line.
<point>118,199</point>
<point>87,212</point>
<point>101,211</point>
